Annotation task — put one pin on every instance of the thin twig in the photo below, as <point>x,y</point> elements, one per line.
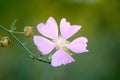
<point>20,42</point>
<point>16,32</point>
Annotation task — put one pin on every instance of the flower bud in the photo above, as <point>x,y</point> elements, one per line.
<point>28,31</point>
<point>4,41</point>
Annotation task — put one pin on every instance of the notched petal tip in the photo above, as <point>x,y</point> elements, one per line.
<point>61,58</point>
<point>50,29</point>
<point>43,45</point>
<point>78,45</point>
<point>67,30</point>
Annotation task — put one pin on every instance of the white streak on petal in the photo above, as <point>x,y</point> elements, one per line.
<point>44,45</point>
<point>61,58</point>
<point>78,45</point>
<point>49,29</point>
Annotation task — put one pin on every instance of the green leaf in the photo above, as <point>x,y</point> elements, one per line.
<point>12,26</point>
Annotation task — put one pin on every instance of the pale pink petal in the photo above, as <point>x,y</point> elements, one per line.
<point>49,29</point>
<point>68,30</point>
<point>61,58</point>
<point>78,45</point>
<point>44,45</point>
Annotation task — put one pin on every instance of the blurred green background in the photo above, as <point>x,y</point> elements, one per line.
<point>100,21</point>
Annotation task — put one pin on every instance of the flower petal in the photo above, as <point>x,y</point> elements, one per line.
<point>49,29</point>
<point>44,45</point>
<point>78,45</point>
<point>68,30</point>
<point>61,57</point>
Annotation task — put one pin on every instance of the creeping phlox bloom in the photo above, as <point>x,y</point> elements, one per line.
<point>53,40</point>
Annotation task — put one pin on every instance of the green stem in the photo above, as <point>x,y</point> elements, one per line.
<point>29,52</point>
<point>16,32</point>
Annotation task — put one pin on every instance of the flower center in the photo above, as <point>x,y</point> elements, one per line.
<point>60,42</point>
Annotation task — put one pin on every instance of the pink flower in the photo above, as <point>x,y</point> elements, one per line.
<point>53,40</point>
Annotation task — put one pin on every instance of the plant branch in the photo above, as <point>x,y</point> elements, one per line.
<point>20,42</point>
